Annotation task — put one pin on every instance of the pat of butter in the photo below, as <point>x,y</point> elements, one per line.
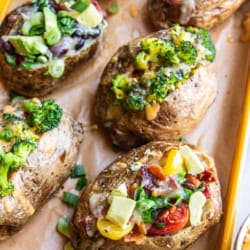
<point>120,210</point>
<point>192,162</point>
<point>196,204</point>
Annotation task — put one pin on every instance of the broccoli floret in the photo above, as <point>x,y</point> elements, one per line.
<point>187,53</point>
<point>44,117</point>
<point>142,60</point>
<point>160,86</point>
<point>10,118</point>
<point>6,135</point>
<point>6,186</point>
<point>121,84</point>
<point>206,41</point>
<point>135,100</point>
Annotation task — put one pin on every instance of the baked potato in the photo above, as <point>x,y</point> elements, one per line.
<point>157,87</point>
<point>38,147</point>
<point>162,195</point>
<point>41,43</point>
<point>204,14</point>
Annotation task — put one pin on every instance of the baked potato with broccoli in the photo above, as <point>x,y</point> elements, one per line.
<point>160,196</point>
<point>157,87</point>
<point>199,13</point>
<point>40,43</point>
<point>38,149</point>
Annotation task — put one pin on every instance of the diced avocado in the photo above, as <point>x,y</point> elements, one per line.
<point>196,204</point>
<point>119,191</point>
<point>37,18</point>
<point>192,162</point>
<point>52,33</point>
<point>120,210</point>
<point>28,45</point>
<point>90,17</point>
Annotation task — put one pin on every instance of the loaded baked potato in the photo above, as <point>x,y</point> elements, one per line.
<point>40,43</point>
<point>38,149</point>
<point>162,195</point>
<point>157,87</point>
<point>200,13</point>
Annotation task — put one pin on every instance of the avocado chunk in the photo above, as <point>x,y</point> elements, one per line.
<point>192,162</point>
<point>52,33</point>
<point>28,45</point>
<point>196,204</point>
<point>90,17</point>
<point>120,210</point>
<point>121,190</point>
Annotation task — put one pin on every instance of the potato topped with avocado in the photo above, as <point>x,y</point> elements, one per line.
<point>157,87</point>
<point>41,42</point>
<point>161,196</point>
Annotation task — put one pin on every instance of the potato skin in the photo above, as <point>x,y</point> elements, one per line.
<point>47,167</point>
<point>207,13</point>
<point>114,175</point>
<point>181,110</point>
<point>36,82</point>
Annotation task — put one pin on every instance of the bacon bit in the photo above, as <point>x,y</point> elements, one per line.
<point>157,171</point>
<point>207,176</point>
<point>137,235</point>
<point>193,180</point>
<point>133,10</point>
<point>206,192</point>
<point>131,190</point>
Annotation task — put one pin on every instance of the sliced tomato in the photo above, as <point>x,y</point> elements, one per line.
<point>170,221</point>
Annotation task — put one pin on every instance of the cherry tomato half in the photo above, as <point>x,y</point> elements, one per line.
<point>170,221</point>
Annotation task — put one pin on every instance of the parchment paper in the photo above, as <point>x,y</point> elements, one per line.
<point>216,134</point>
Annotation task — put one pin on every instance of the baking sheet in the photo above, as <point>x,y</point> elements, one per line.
<point>216,134</point>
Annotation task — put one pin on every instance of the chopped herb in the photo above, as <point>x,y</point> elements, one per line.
<point>11,59</point>
<point>160,225</point>
<point>80,5</point>
<point>70,198</point>
<point>78,171</point>
<point>113,8</point>
<point>63,227</point>
<point>81,183</point>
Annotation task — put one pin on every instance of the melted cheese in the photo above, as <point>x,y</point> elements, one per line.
<point>152,111</point>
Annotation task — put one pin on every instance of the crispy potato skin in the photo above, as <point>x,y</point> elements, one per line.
<point>36,82</point>
<point>207,14</point>
<point>113,176</point>
<point>46,169</point>
<point>181,111</point>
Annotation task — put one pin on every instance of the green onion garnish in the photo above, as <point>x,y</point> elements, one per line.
<point>160,225</point>
<point>78,171</point>
<point>11,59</point>
<point>63,227</point>
<point>182,139</point>
<point>70,198</point>
<point>56,68</point>
<point>81,183</point>
<point>80,5</point>
<point>113,8</point>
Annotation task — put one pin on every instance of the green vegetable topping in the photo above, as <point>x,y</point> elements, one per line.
<point>43,117</point>
<point>18,135</point>
<point>81,183</point>
<point>63,227</point>
<point>66,23</point>
<point>78,171</point>
<point>113,8</point>
<point>56,68</point>
<point>40,3</point>
<point>80,5</point>
<point>70,198</point>
<point>11,59</point>
<point>161,65</point>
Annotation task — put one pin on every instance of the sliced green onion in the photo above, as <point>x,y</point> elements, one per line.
<point>113,8</point>
<point>11,59</point>
<point>78,171</point>
<point>70,198</point>
<point>68,246</point>
<point>56,68</point>
<point>63,227</point>
<point>42,59</point>
<point>80,5</point>
<point>53,37</point>
<point>26,28</point>
<point>182,139</point>
<point>81,183</point>
<point>36,30</point>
